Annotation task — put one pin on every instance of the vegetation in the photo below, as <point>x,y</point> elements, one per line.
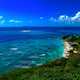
<point>61,69</point>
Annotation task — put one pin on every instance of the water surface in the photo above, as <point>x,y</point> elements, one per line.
<point>22,49</point>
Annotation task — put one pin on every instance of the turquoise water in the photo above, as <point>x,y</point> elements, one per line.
<point>23,50</point>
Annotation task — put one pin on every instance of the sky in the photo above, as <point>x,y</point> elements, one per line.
<point>39,12</point>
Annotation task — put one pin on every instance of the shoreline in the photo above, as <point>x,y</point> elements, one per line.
<point>67,48</point>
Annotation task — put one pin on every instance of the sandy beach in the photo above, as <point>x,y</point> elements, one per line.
<point>67,48</point>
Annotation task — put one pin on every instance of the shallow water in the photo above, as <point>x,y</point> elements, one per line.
<point>26,49</point>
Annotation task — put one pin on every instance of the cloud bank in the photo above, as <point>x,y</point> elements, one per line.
<point>75,18</point>
<point>61,19</point>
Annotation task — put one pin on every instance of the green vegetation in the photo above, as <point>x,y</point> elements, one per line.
<point>61,69</point>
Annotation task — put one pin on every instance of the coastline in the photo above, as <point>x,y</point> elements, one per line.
<point>67,48</point>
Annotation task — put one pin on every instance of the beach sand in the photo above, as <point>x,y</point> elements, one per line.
<point>67,48</point>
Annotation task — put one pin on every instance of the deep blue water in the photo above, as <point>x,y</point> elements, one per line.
<point>20,48</point>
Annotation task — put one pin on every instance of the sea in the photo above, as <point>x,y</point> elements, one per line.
<point>25,47</point>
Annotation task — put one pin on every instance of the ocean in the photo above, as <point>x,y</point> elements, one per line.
<point>24,47</point>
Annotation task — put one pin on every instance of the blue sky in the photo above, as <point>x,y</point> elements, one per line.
<point>39,12</point>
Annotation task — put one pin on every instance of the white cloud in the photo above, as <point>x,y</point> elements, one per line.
<point>61,18</point>
<point>41,17</point>
<point>2,21</point>
<point>11,21</point>
<point>51,19</point>
<point>76,17</point>
<point>15,21</point>
<point>64,18</point>
<point>1,17</point>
